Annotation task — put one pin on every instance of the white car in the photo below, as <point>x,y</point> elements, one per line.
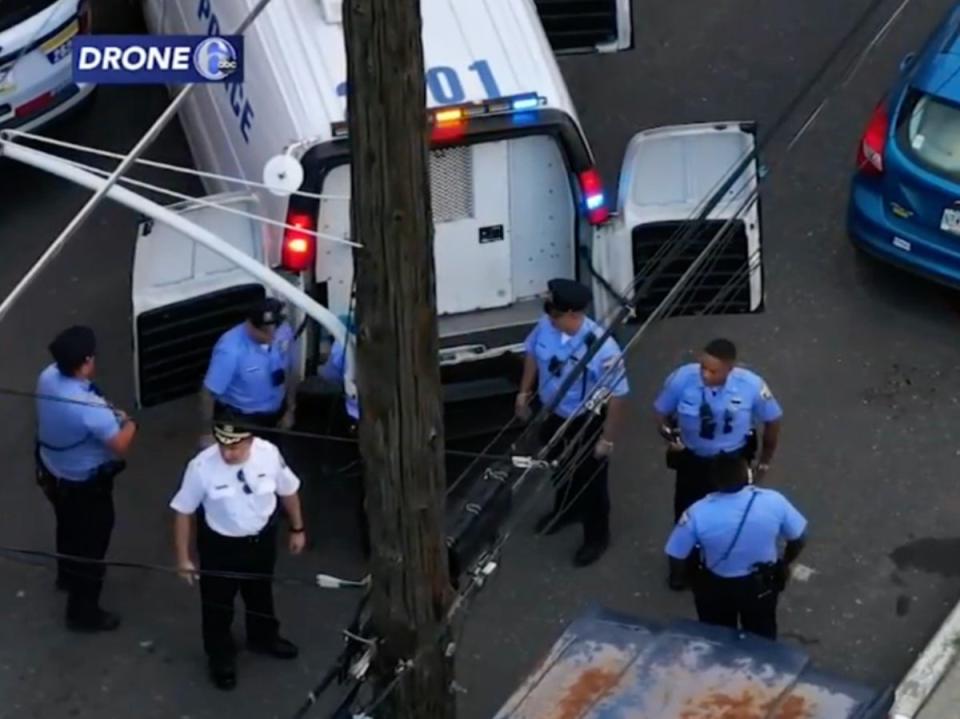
<point>36,74</point>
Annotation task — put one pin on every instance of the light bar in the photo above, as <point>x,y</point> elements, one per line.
<point>448,114</point>
<point>453,115</point>
<point>496,106</point>
<point>527,103</point>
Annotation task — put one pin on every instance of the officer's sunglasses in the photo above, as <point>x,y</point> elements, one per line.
<point>243,480</point>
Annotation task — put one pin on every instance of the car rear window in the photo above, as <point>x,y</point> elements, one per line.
<point>14,12</point>
<point>928,131</point>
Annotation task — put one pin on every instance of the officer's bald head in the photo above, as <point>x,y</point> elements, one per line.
<point>716,361</point>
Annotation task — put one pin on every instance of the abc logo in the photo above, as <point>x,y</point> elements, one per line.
<point>215,59</point>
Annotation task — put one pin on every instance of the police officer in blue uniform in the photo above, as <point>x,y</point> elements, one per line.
<point>250,376</point>
<point>81,440</point>
<point>710,408</point>
<point>553,349</point>
<point>347,425</point>
<point>737,529</point>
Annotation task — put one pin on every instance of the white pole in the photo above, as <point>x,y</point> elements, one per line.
<point>168,114</point>
<point>296,296</point>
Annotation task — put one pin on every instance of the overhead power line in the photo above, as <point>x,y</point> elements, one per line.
<point>322,581</point>
<point>145,141</point>
<point>180,169</point>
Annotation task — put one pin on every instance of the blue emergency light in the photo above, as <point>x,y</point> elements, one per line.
<point>526,103</point>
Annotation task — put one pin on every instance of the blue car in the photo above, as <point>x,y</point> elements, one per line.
<point>905,196</point>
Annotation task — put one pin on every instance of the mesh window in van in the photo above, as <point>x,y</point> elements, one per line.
<point>451,182</point>
<point>929,133</point>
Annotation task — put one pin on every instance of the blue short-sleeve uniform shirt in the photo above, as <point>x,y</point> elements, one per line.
<point>72,434</point>
<point>334,371</point>
<point>242,372</point>
<point>742,402</point>
<point>712,524</point>
<point>557,355</point>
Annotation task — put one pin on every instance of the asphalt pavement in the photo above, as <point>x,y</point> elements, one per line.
<point>862,358</point>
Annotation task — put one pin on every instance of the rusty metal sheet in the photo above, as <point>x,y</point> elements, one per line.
<point>610,666</point>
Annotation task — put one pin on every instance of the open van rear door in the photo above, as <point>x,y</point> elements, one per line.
<point>681,188</point>
<point>185,296</point>
<point>587,26</point>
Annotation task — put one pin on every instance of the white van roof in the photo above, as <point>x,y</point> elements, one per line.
<point>478,44</point>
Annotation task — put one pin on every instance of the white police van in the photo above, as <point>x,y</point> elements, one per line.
<point>36,77</point>
<point>517,199</point>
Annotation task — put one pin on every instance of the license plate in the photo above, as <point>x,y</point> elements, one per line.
<point>950,222</point>
<point>60,53</point>
<point>57,48</point>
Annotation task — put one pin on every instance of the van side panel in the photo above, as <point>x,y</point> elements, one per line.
<point>536,233</point>
<point>542,216</point>
<point>335,260</point>
<point>234,128</point>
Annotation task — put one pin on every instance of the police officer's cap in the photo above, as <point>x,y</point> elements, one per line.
<point>227,433</point>
<point>568,295</point>
<point>268,311</point>
<point>72,347</point>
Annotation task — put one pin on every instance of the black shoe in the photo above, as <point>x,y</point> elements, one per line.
<point>103,622</point>
<point>278,647</point>
<point>677,583</point>
<point>549,524</point>
<point>589,553</point>
<point>223,674</point>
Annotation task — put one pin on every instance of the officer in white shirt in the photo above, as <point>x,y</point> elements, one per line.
<point>232,487</point>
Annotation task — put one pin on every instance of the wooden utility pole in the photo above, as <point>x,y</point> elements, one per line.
<point>398,378</point>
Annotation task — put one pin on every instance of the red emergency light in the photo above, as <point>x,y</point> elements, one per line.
<point>299,242</point>
<point>593,199</point>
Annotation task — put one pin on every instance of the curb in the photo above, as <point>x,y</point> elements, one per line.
<point>929,668</point>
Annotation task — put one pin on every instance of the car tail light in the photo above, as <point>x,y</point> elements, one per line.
<point>299,242</point>
<point>34,106</point>
<point>593,199</point>
<point>873,142</point>
<point>83,17</point>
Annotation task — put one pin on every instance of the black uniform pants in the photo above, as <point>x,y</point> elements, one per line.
<point>585,496</point>
<point>48,485</point>
<point>694,481</point>
<point>740,603</point>
<point>255,555</point>
<point>85,517</point>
